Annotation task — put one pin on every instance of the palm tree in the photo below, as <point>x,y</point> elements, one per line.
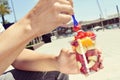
<point>3,11</point>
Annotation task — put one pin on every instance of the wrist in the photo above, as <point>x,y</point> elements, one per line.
<point>25,27</point>
<point>57,65</point>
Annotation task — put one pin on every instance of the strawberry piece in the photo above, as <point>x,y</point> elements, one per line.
<point>101,66</point>
<point>74,43</point>
<point>81,34</point>
<point>76,28</point>
<point>90,34</point>
<point>95,67</point>
<point>80,58</point>
<point>83,69</point>
<point>76,37</point>
<point>98,63</point>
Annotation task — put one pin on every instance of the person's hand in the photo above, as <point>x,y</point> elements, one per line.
<point>69,65</point>
<point>67,62</point>
<point>49,14</point>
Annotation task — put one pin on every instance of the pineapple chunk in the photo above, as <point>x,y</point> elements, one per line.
<point>92,58</point>
<point>91,64</point>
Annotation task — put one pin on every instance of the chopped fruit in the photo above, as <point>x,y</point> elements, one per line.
<point>81,35</point>
<point>83,69</point>
<point>87,42</point>
<point>76,28</point>
<point>95,67</point>
<point>92,58</point>
<point>79,58</point>
<point>84,45</point>
<point>101,66</point>
<point>78,50</point>
<point>91,63</point>
<point>74,43</point>
<point>90,34</point>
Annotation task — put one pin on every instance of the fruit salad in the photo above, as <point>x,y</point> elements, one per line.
<point>83,44</point>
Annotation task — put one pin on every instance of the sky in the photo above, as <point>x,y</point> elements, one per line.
<point>84,9</point>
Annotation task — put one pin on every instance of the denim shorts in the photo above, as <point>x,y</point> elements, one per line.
<point>16,74</point>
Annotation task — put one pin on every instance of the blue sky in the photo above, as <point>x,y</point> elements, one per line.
<point>84,9</point>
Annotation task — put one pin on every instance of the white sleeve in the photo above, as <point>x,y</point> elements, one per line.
<point>1,28</point>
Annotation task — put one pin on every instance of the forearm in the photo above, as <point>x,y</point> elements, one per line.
<point>32,61</point>
<point>12,42</point>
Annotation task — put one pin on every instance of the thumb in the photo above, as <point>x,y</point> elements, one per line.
<point>65,52</point>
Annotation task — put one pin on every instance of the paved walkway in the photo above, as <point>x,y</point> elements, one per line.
<point>108,41</point>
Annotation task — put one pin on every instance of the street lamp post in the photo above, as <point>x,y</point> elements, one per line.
<point>13,10</point>
<point>118,15</point>
<point>101,14</point>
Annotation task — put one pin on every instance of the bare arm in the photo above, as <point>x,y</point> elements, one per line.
<point>12,42</point>
<point>65,62</point>
<point>33,61</point>
<point>43,18</point>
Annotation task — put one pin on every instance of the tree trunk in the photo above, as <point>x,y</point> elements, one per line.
<point>3,19</point>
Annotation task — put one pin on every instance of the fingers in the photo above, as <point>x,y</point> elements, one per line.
<point>68,53</point>
<point>63,10</point>
<point>71,64</point>
<point>68,2</point>
<point>66,9</point>
<point>64,51</point>
<point>74,66</point>
<point>71,2</point>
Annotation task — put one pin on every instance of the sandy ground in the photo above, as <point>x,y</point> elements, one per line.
<point>108,41</point>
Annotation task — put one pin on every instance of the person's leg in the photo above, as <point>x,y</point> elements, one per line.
<point>31,75</point>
